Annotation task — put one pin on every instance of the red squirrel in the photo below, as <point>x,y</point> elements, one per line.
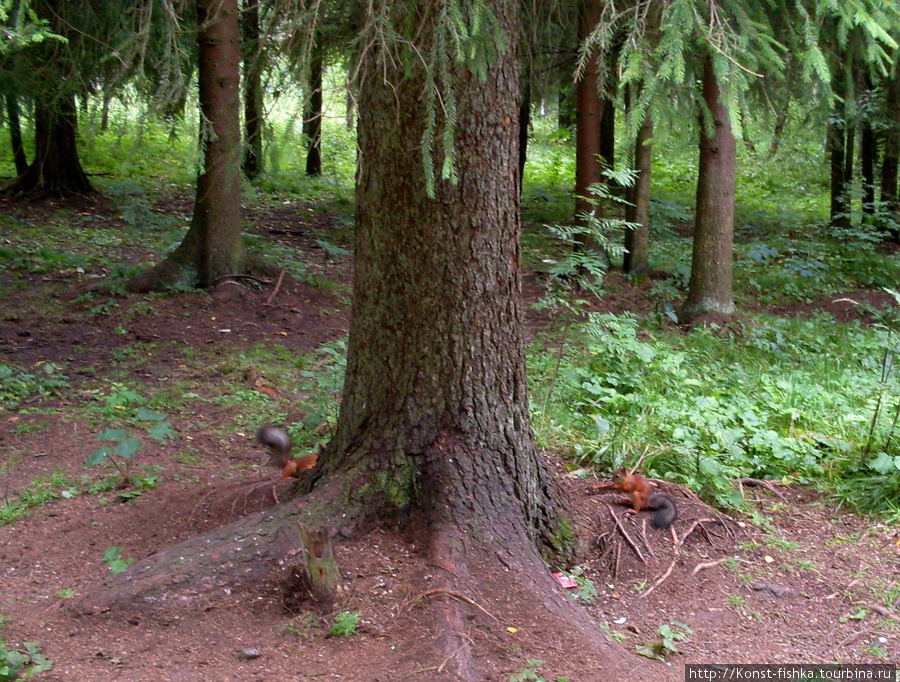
<point>279,445</point>
<point>642,496</point>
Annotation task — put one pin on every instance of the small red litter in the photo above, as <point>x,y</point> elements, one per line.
<point>565,581</point>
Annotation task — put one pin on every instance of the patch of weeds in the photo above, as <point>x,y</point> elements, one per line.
<point>25,662</point>
<point>39,492</point>
<point>302,625</point>
<point>186,458</point>
<point>876,651</point>
<point>344,624</point>
<point>531,672</point>
<point>781,543</point>
<point>737,602</point>
<point>16,385</point>
<point>126,446</point>
<point>586,590</point>
<point>66,593</point>
<point>113,559</point>
<point>612,634</point>
<point>666,645</point>
<point>23,428</point>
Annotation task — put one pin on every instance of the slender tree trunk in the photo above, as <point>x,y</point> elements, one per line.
<point>524,124</point>
<point>891,159</point>
<point>213,246</point>
<point>15,134</point>
<point>868,150</point>
<point>253,91</point>
<point>837,146</point>
<point>56,169</point>
<point>588,129</point>
<point>312,119</point>
<point>637,241</point>
<point>608,129</point>
<point>710,288</point>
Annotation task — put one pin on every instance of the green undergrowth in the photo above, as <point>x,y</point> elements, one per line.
<point>769,398</point>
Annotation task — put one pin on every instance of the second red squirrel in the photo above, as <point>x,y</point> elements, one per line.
<point>642,497</point>
<point>279,445</point>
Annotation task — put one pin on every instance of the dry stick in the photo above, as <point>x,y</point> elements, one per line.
<point>644,538</point>
<point>631,543</point>
<point>618,555</point>
<point>277,286</point>
<point>881,610</point>
<point>708,564</point>
<point>455,595</point>
<point>763,484</point>
<point>847,640</point>
<point>698,522</point>
<point>662,578</point>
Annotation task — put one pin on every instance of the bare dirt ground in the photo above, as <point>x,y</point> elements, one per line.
<point>802,582</point>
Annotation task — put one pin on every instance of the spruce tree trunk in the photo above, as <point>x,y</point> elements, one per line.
<point>252,164</point>
<point>710,288</point>
<point>15,134</point>
<point>588,129</point>
<point>868,150</point>
<point>524,124</point>
<point>213,247</point>
<point>434,419</point>
<point>56,169</point>
<point>637,241</point>
<point>891,159</point>
<point>837,142</point>
<point>312,119</point>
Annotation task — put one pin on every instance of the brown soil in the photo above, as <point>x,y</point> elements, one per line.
<point>802,584</point>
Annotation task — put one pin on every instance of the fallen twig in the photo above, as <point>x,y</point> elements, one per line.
<point>455,595</point>
<point>662,578</point>
<point>707,564</point>
<point>763,484</point>
<point>277,286</point>
<point>621,528</point>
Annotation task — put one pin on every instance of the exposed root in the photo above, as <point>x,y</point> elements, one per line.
<point>621,529</point>
<point>708,564</point>
<point>762,484</point>
<point>661,579</point>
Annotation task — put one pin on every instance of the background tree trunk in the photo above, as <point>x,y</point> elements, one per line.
<point>213,246</point>
<point>637,241</point>
<point>56,169</point>
<point>312,119</point>
<point>588,128</point>
<point>251,49</point>
<point>868,150</point>
<point>710,288</point>
<point>15,134</point>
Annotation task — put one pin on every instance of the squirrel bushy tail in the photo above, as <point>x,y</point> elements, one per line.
<point>665,510</point>
<point>279,444</point>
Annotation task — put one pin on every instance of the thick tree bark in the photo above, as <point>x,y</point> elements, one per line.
<point>312,118</point>
<point>252,164</point>
<point>434,419</point>
<point>56,169</point>
<point>213,246</point>
<point>710,288</point>
<point>637,240</point>
<point>15,134</point>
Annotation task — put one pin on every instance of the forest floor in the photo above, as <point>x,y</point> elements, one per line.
<point>796,580</point>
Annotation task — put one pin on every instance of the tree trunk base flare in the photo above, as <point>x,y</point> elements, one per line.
<point>56,170</point>
<point>473,587</point>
